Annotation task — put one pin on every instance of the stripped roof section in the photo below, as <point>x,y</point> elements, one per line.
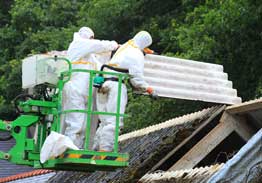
<point>144,151</point>
<point>172,122</point>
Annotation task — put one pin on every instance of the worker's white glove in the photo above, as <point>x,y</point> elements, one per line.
<point>152,92</point>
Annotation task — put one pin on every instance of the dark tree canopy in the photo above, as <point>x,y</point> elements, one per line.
<point>223,32</point>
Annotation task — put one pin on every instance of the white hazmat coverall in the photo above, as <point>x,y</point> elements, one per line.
<point>128,56</point>
<point>81,53</point>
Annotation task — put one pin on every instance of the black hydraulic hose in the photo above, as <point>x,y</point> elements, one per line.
<point>21,96</point>
<point>114,69</point>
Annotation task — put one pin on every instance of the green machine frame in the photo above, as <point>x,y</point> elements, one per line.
<point>45,116</point>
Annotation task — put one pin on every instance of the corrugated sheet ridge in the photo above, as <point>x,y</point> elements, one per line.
<point>182,69</point>
<point>186,76</point>
<point>183,174</point>
<point>185,62</point>
<point>190,85</point>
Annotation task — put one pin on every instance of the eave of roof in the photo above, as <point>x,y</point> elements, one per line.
<point>191,175</point>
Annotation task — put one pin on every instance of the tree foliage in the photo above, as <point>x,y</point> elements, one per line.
<point>223,32</point>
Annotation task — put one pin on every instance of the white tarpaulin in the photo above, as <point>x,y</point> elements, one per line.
<point>54,145</point>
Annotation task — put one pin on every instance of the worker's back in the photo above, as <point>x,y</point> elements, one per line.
<point>128,56</point>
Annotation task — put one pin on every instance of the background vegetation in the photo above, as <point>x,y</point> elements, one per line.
<point>224,32</point>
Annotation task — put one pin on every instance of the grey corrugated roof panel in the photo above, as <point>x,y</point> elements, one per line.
<point>6,168</point>
<point>195,175</point>
<point>241,167</point>
<point>146,147</point>
<point>6,145</point>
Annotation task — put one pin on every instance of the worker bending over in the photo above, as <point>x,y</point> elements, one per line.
<point>129,56</point>
<point>81,53</point>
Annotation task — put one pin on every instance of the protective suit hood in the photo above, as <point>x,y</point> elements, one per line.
<point>77,37</point>
<point>86,33</point>
<point>83,33</point>
<point>142,39</point>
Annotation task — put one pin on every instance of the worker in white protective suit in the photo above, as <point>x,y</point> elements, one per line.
<point>129,56</point>
<point>81,53</point>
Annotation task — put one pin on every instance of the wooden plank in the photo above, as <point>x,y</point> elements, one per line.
<point>228,124</point>
<point>204,147</point>
<point>245,107</point>
<point>187,140</point>
<point>240,125</point>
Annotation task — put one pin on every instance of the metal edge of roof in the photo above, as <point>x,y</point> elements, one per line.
<point>166,124</point>
<point>182,174</point>
<point>239,167</point>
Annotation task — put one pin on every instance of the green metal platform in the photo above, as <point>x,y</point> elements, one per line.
<point>37,114</point>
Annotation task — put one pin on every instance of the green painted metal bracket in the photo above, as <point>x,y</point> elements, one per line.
<point>39,106</point>
<point>19,152</point>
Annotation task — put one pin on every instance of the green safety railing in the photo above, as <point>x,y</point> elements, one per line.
<point>89,112</point>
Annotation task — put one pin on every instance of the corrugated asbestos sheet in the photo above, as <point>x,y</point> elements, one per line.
<point>245,166</point>
<point>145,147</point>
<point>196,175</point>
<point>185,79</point>
<point>7,168</point>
